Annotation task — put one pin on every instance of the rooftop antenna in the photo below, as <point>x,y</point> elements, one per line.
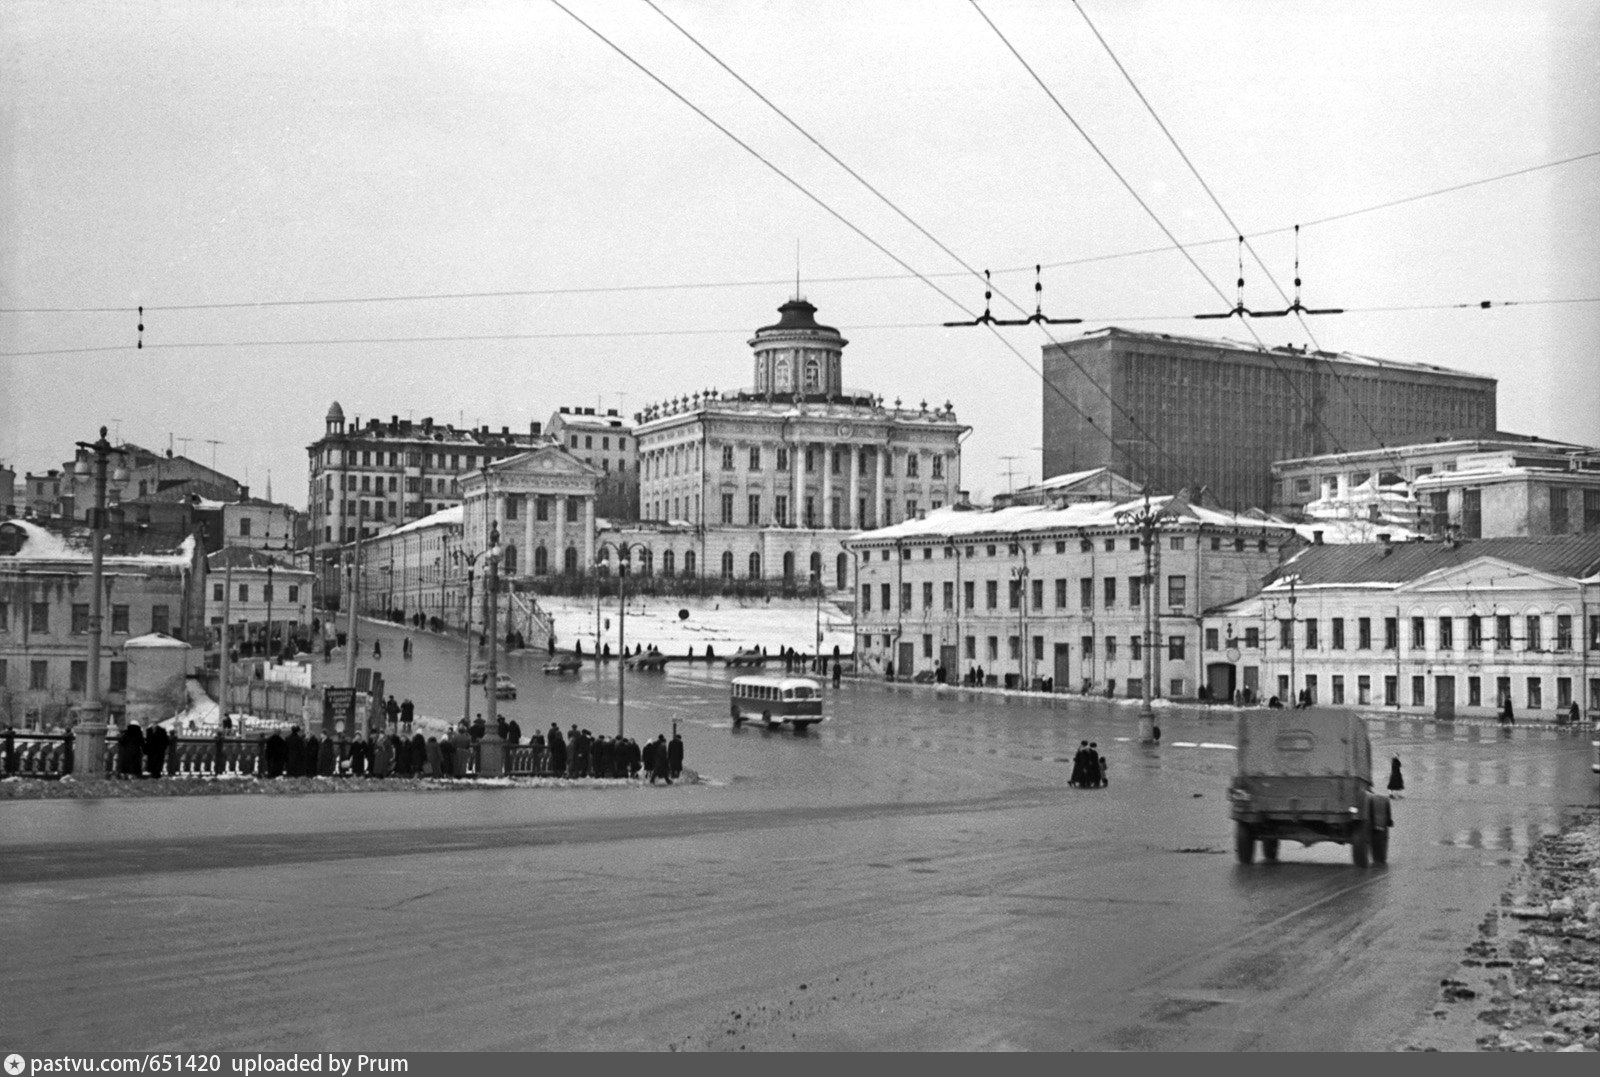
<point>1296,305</point>
<point>797,294</point>
<point>118,433</point>
<point>214,443</point>
<point>184,442</point>
<point>1238,306</point>
<point>1010,471</point>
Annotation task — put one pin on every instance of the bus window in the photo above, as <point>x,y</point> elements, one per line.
<point>788,693</point>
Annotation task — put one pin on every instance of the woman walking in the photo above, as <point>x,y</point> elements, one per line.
<point>1397,781</point>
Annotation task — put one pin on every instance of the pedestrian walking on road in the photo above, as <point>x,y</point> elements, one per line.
<point>1397,781</point>
<point>836,672</point>
<point>377,648</point>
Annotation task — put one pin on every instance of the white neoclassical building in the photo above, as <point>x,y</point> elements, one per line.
<point>1440,628</point>
<point>765,482</point>
<point>544,503</point>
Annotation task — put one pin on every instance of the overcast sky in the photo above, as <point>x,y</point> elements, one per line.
<point>182,153</point>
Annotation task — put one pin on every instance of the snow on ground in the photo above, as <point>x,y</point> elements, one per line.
<point>726,624</point>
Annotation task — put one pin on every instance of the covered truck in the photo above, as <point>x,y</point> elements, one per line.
<point>1306,775</point>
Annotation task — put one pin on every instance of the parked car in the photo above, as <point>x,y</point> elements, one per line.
<point>564,663</point>
<point>504,687</point>
<point>649,660</point>
<point>1306,775</point>
<point>746,658</point>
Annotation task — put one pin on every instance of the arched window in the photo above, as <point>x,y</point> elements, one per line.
<point>755,566</point>
<point>688,563</point>
<point>842,572</point>
<point>570,559</point>
<point>541,560</point>
<point>780,375</point>
<point>788,567</point>
<point>668,562</point>
<point>508,561</point>
<point>727,564</point>
<point>813,376</point>
<point>816,567</point>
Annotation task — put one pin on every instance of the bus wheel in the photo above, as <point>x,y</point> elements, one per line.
<point>1269,848</point>
<point>800,728</point>
<point>1244,843</point>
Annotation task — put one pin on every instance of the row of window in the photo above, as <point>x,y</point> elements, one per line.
<point>77,675</point>
<point>440,461</point>
<point>511,505</point>
<point>1177,594</point>
<point>1177,647</point>
<point>1085,545</point>
<point>780,511</point>
<point>267,593</point>
<point>605,444</point>
<point>1506,636</point>
<point>782,458</point>
<point>1359,690</point>
<point>38,618</point>
<point>414,485</point>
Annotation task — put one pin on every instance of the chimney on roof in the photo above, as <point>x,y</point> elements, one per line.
<point>427,423</point>
<point>505,431</point>
<point>1316,538</point>
<point>534,428</point>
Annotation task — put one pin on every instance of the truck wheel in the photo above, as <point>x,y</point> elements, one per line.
<point>1269,848</point>
<point>1244,843</point>
<point>1359,848</point>
<point>1380,845</point>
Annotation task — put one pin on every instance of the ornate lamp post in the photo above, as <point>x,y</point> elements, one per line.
<point>624,551</point>
<point>1148,522</point>
<point>89,727</point>
<point>468,559</point>
<point>491,760</point>
<point>1021,575</point>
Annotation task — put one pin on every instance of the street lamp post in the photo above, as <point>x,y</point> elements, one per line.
<point>1021,576</point>
<point>624,551</point>
<point>468,559</point>
<point>1147,521</point>
<point>816,655</point>
<point>491,761</point>
<point>89,728</point>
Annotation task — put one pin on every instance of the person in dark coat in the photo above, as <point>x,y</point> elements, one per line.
<point>358,758</point>
<point>309,753</point>
<point>273,755</point>
<point>513,732</point>
<point>447,756</point>
<point>377,648</point>
<point>294,753</point>
<point>675,755</point>
<point>155,751</point>
<point>1078,764</point>
<point>130,747</point>
<point>326,758</point>
<point>383,757</point>
<point>391,709</point>
<point>479,726</point>
<point>462,743</point>
<point>1505,711</point>
<point>419,756</point>
<point>408,711</point>
<point>662,768</point>
<point>650,760</point>
<point>1097,766</point>
<point>1397,781</point>
<point>10,751</point>
<point>556,745</point>
<point>836,672</point>
<point>502,727</point>
<point>431,766</point>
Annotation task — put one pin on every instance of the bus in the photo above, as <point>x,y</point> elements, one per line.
<point>791,701</point>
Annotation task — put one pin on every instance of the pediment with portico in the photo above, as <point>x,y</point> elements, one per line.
<point>546,469</point>
<point>1484,575</point>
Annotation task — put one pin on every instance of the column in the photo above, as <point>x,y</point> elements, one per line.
<point>530,509</point>
<point>559,556</point>
<point>852,464</point>
<point>878,486</point>
<point>588,531</point>
<point>797,465</point>
<point>827,486</point>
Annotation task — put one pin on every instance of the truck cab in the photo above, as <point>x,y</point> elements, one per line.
<point>1306,775</point>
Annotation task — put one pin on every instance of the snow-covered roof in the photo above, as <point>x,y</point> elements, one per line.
<point>42,545</point>
<point>450,517</point>
<point>1021,519</point>
<point>155,641</point>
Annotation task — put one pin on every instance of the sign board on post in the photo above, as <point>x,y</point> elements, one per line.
<point>338,711</point>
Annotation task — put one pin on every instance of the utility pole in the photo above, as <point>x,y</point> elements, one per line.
<point>1292,697</point>
<point>1147,522</point>
<point>491,757</point>
<point>355,599</point>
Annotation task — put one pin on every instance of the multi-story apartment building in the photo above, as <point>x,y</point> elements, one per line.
<point>270,598</point>
<point>606,442</point>
<point>44,618</point>
<point>1173,411</point>
<point>1420,627</point>
<point>1036,595</point>
<point>759,482</point>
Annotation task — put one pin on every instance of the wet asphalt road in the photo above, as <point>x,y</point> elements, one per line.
<point>914,875</point>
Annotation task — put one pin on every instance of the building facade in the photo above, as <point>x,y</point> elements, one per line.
<point>1525,473</point>
<point>1173,411</point>
<point>1038,595</point>
<point>1441,628</point>
<point>45,604</point>
<point>607,442</point>
<point>769,476</point>
<point>416,568</point>
<point>269,599</point>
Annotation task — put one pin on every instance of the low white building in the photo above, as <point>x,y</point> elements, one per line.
<point>264,591</point>
<point>1056,595</point>
<point>1420,627</point>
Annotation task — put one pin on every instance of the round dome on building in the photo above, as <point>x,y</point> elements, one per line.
<point>797,354</point>
<point>335,413</point>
